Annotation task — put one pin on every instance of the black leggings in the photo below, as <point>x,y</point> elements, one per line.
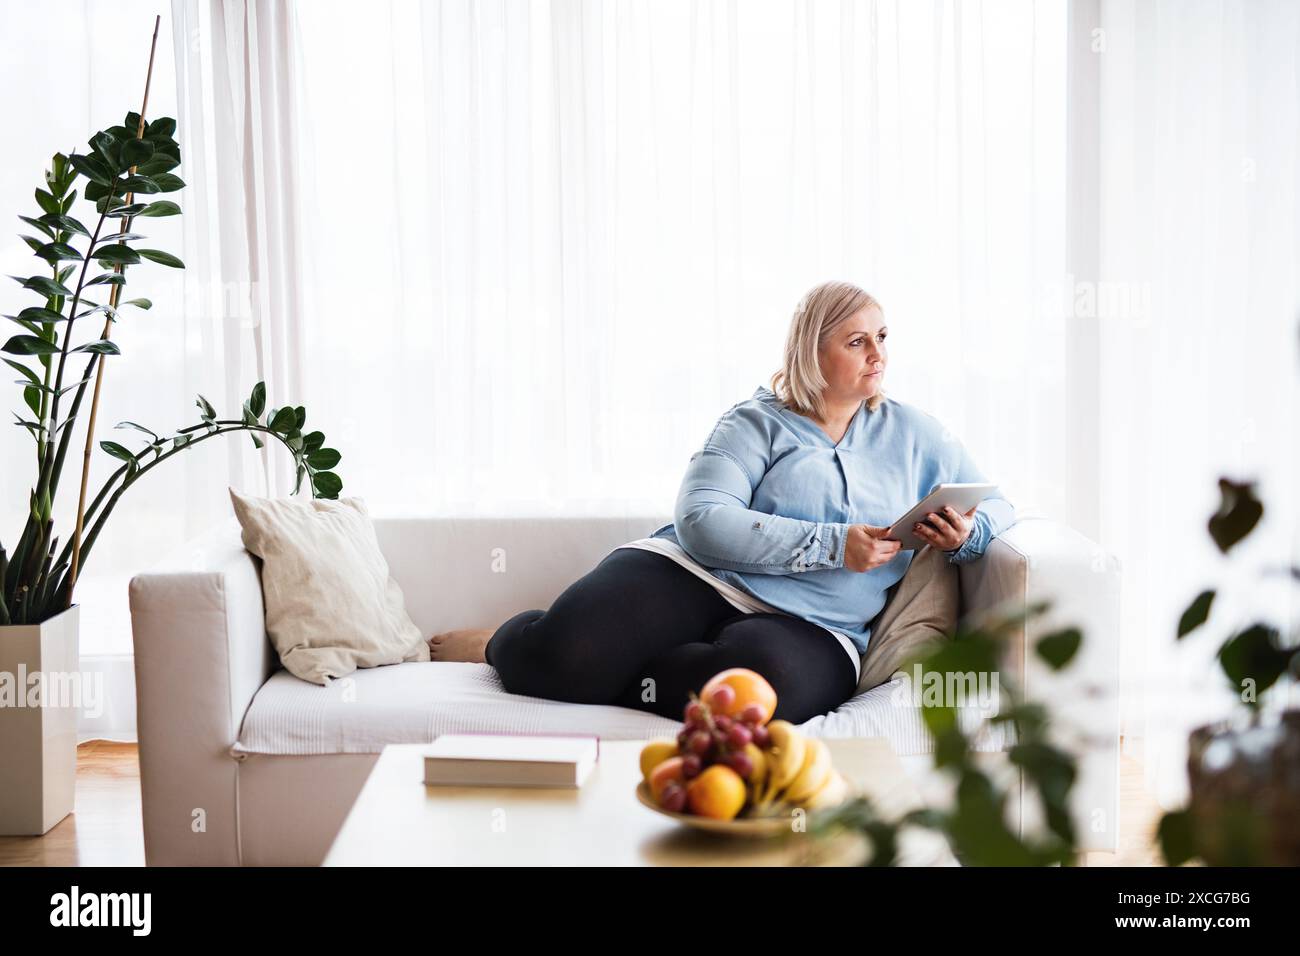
<point>641,631</point>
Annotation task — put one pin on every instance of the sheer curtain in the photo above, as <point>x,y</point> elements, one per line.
<point>97,77</point>
<point>228,320</point>
<point>1198,158</point>
<point>552,241</point>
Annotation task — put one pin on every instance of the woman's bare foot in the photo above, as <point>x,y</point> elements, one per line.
<point>463,645</point>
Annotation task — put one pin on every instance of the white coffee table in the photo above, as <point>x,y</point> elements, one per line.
<point>399,821</point>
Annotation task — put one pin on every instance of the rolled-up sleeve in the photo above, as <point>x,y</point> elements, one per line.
<point>713,519</point>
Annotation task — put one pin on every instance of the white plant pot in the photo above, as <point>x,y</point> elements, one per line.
<point>38,723</point>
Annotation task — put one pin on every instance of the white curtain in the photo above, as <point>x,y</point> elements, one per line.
<point>97,76</point>
<point>229,320</point>
<point>552,241</point>
<point>1198,154</point>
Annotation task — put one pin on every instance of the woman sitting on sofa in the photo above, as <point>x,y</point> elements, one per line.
<point>776,559</point>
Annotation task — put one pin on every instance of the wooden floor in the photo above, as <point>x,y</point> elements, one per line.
<point>105,829</point>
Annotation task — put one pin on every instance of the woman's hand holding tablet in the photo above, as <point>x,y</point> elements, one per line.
<point>952,506</point>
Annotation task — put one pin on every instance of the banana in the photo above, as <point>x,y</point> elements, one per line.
<point>785,758</point>
<point>831,794</point>
<point>758,776</point>
<point>813,774</point>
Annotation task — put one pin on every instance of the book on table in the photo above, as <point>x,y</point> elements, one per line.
<point>509,760</point>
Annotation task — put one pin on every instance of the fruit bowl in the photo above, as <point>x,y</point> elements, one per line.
<point>730,756</point>
<point>751,827</point>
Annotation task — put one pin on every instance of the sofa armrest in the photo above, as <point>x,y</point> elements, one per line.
<point>201,653</point>
<point>1041,560</point>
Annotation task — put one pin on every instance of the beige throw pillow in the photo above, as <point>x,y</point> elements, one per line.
<point>331,604</point>
<point>921,612</point>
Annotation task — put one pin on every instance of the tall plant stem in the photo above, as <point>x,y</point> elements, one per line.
<point>113,297</point>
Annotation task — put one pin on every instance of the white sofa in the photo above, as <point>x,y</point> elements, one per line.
<point>241,763</point>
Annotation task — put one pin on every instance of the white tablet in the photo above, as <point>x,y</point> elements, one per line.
<point>960,497</point>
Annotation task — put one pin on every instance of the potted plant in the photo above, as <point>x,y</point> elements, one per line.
<point>85,264</point>
<point>1243,772</point>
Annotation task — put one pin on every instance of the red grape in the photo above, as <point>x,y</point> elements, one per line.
<point>700,742</point>
<point>739,735</point>
<point>694,712</point>
<point>692,765</point>
<point>741,763</point>
<point>760,735</point>
<point>673,798</point>
<point>722,722</point>
<point>723,697</point>
<point>752,714</point>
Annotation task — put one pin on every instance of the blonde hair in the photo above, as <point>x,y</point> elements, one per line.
<point>799,382</point>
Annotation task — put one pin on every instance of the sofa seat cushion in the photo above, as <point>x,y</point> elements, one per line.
<point>415,702</point>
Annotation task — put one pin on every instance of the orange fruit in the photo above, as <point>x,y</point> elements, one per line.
<point>666,772</point>
<point>656,752</point>
<point>748,687</point>
<point>718,792</point>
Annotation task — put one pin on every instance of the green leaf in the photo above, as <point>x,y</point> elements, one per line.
<point>136,151</point>
<point>168,182</point>
<point>283,420</point>
<point>162,161</point>
<point>1059,647</point>
<point>128,209</point>
<point>93,169</point>
<point>323,460</point>
<point>34,427</point>
<point>140,428</point>
<point>1177,837</point>
<point>300,416</point>
<point>117,451</point>
<point>47,202</point>
<point>35,244</point>
<point>163,126</point>
<point>1196,614</point>
<point>44,285</point>
<point>1239,512</point>
<point>48,230</point>
<point>139,303</point>
<point>31,376</point>
<point>37,314</point>
<point>181,440</point>
<point>124,255</point>
<point>105,146</point>
<point>208,412</point>
<point>313,441</point>
<point>141,184</point>
<point>33,399</point>
<point>108,278</point>
<point>100,346</point>
<point>1254,654</point>
<point>97,193</point>
<point>327,484</point>
<point>163,207</point>
<point>68,200</point>
<point>52,252</point>
<point>118,237</point>
<point>163,258</point>
<point>29,345</point>
<point>66,223</point>
<point>257,401</point>
<point>257,442</point>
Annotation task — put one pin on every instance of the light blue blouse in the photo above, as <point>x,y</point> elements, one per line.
<point>766,504</point>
